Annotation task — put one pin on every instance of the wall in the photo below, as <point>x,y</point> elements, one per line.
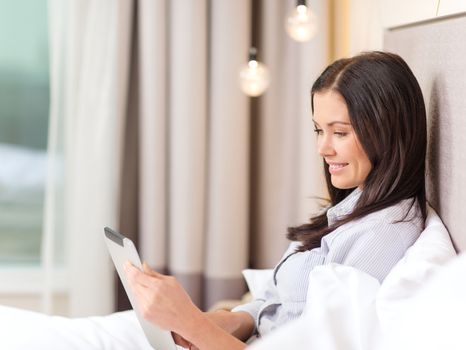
<point>400,12</point>
<point>360,24</point>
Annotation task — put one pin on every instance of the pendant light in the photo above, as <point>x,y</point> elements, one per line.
<point>301,24</point>
<point>254,76</point>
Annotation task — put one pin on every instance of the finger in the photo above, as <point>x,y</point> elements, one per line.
<point>150,290</point>
<point>141,295</point>
<point>135,276</point>
<point>147,269</point>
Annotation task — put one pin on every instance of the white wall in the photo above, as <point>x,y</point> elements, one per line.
<point>367,19</point>
<point>401,12</point>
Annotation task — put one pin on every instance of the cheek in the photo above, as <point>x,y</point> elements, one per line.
<point>363,164</point>
<point>366,167</point>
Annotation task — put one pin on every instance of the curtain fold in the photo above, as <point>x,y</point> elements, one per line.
<point>227,224</point>
<point>97,96</point>
<point>90,92</point>
<point>153,139</point>
<point>188,52</point>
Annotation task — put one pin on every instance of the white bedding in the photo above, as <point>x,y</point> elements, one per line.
<point>420,305</point>
<point>345,315</point>
<point>21,330</point>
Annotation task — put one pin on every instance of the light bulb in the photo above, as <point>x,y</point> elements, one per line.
<point>301,24</point>
<point>254,76</point>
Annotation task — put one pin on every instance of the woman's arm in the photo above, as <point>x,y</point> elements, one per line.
<point>207,335</point>
<point>238,324</point>
<point>164,302</point>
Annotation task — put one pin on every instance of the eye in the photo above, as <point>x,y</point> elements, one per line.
<point>318,131</point>
<point>340,134</point>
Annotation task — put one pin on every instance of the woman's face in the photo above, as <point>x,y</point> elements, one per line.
<point>337,142</point>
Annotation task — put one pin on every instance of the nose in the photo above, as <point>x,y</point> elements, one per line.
<point>325,145</point>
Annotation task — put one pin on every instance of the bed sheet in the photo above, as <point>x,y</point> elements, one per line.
<point>25,330</point>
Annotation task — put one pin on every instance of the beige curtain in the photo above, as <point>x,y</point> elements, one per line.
<point>89,55</point>
<point>210,183</point>
<point>189,125</point>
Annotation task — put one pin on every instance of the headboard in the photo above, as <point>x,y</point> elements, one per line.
<point>436,52</point>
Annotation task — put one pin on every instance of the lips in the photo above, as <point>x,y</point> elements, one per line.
<point>335,167</point>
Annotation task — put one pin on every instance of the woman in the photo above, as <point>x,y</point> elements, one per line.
<point>370,123</point>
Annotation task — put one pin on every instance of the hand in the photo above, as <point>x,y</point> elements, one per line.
<point>162,300</point>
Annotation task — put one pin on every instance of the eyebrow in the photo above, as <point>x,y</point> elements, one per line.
<point>332,123</point>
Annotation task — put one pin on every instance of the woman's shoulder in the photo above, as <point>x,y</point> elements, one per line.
<point>402,220</point>
<point>405,211</point>
<point>377,241</point>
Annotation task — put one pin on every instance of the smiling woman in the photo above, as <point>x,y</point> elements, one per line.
<point>370,122</point>
<point>380,97</point>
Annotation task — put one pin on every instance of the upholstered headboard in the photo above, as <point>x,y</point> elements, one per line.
<point>436,52</point>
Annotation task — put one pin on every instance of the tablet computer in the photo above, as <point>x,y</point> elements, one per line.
<point>121,250</point>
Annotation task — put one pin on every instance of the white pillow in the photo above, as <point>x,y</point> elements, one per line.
<point>406,292</point>
<point>257,280</point>
<point>410,275</point>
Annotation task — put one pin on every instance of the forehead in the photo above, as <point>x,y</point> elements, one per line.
<point>330,106</point>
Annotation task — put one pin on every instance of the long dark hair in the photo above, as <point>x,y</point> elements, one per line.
<point>387,113</point>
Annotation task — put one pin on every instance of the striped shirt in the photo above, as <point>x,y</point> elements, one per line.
<point>373,244</point>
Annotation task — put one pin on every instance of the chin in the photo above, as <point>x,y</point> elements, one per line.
<point>342,185</point>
